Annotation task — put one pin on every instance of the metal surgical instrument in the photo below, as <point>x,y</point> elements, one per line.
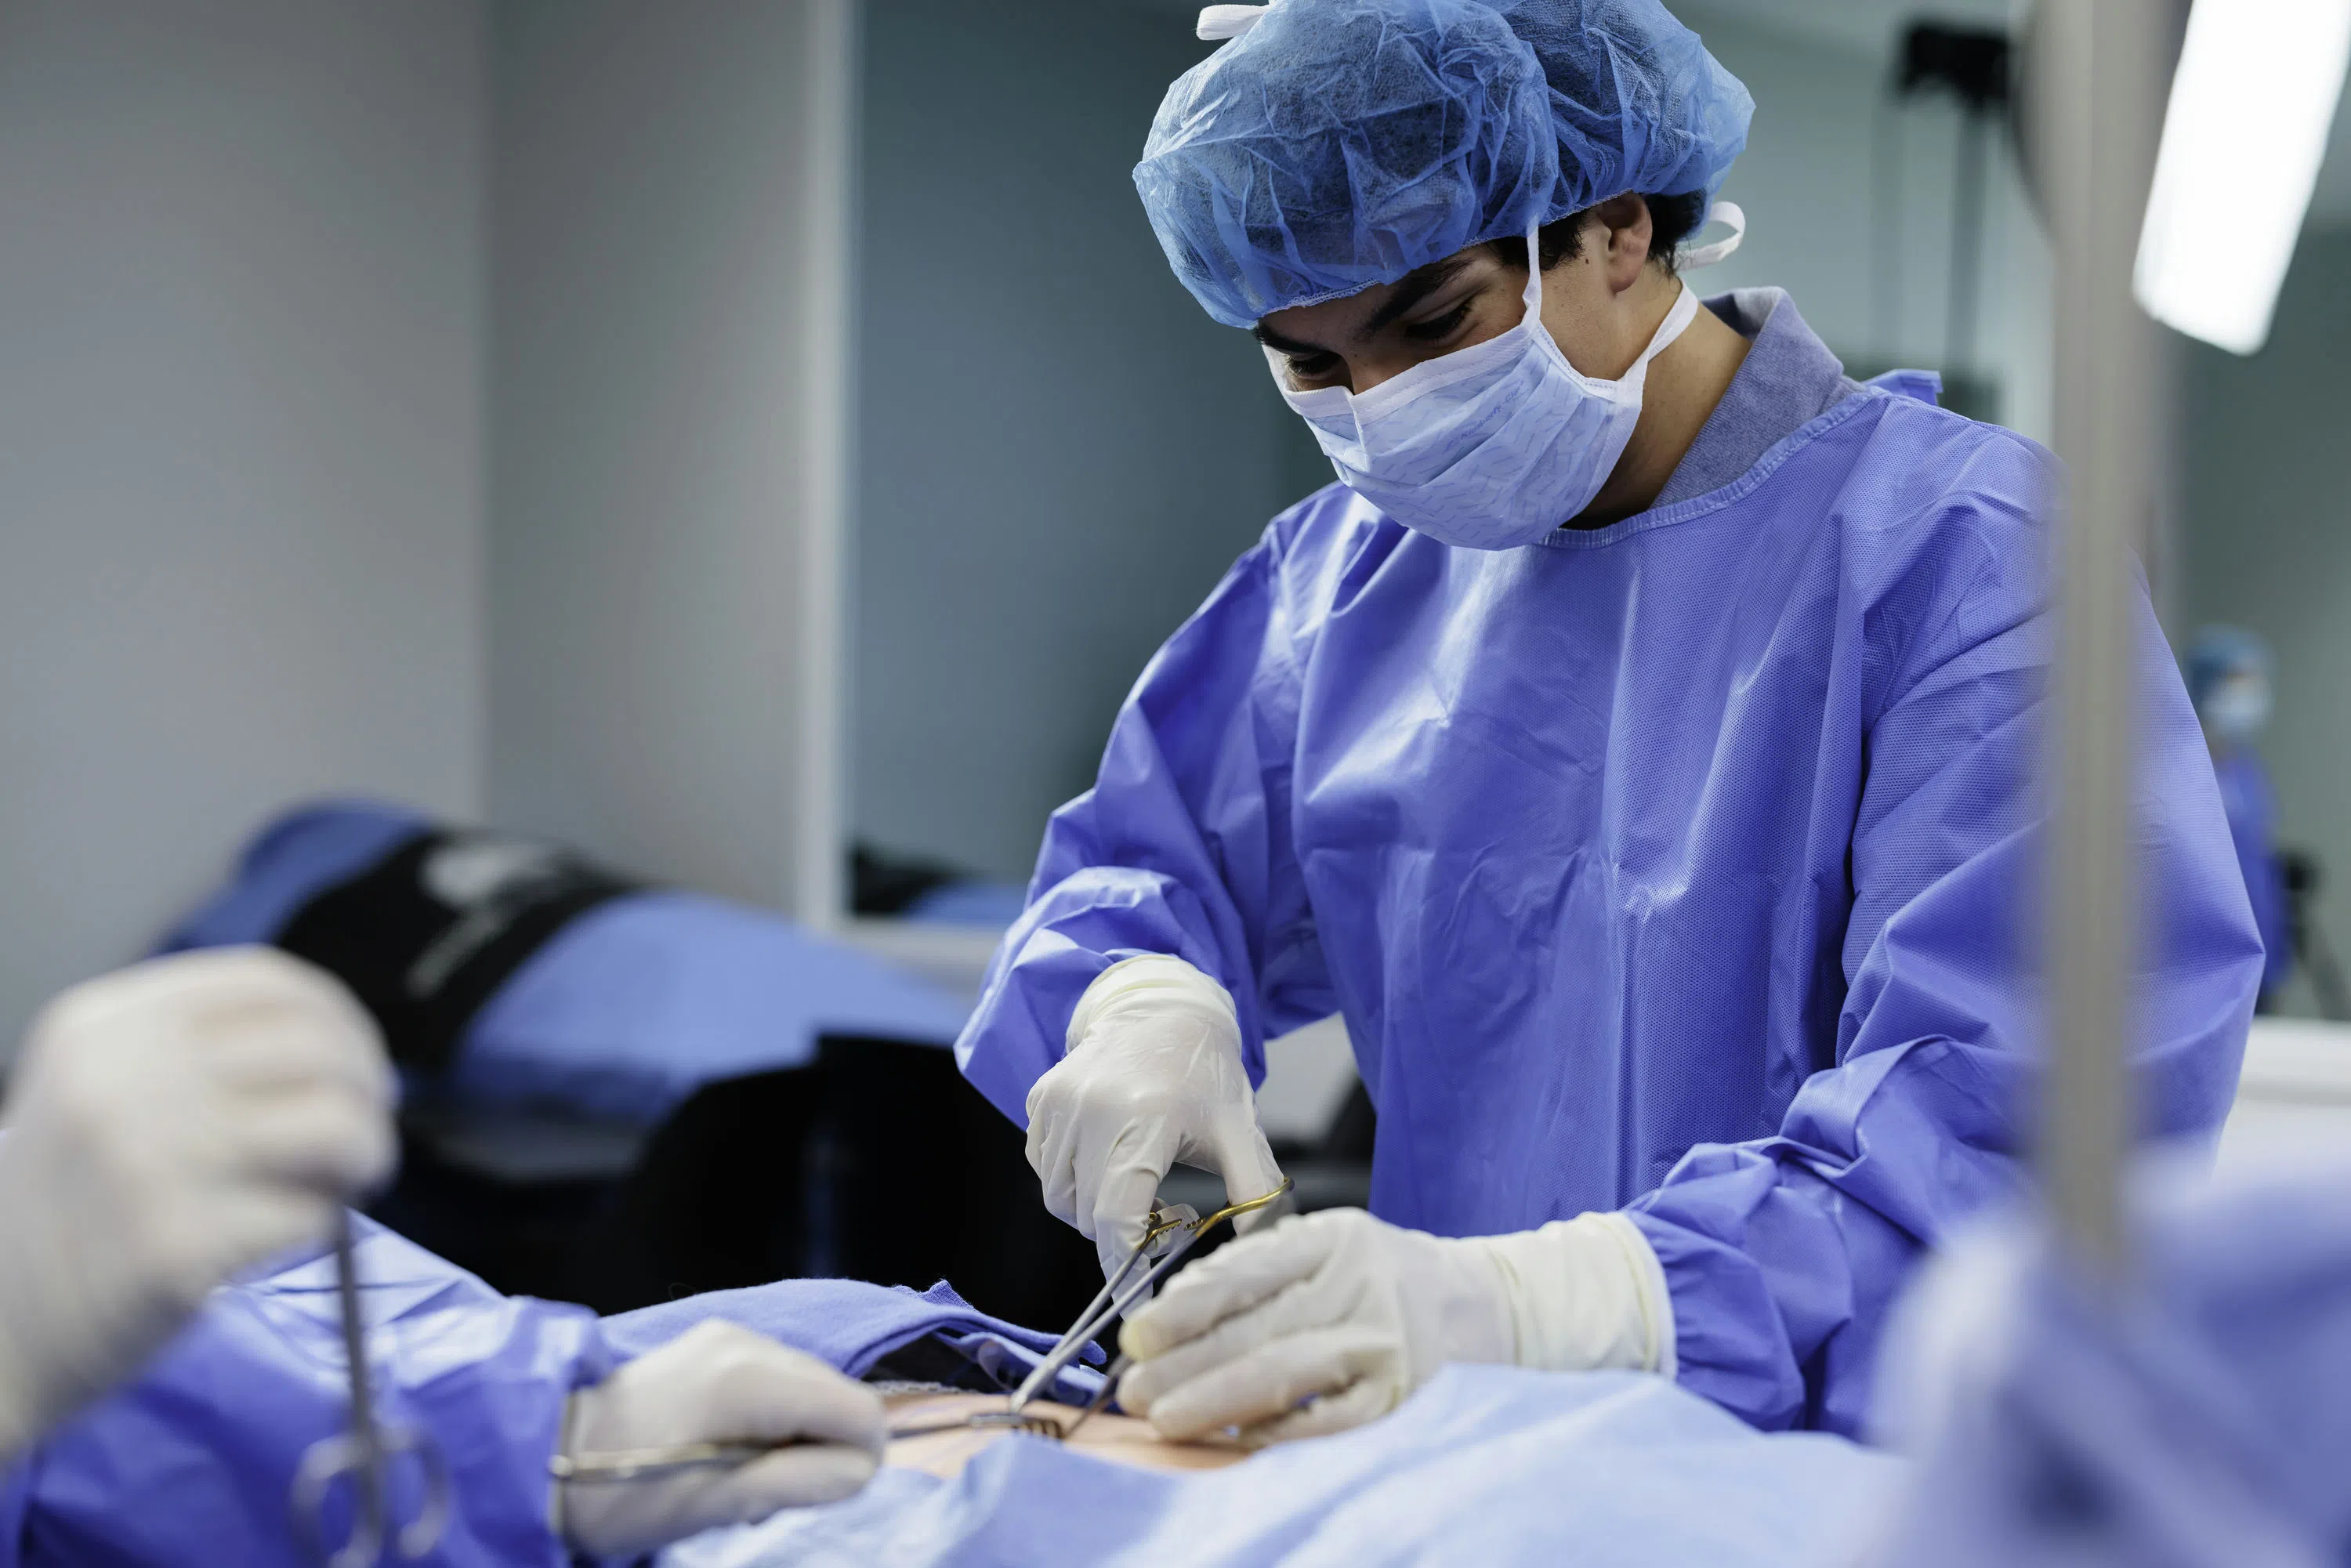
<point>1118,1293</point>
<point>365,1453</point>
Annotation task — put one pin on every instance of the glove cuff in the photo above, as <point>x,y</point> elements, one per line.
<point>1162,980</point>
<point>1586,1293</point>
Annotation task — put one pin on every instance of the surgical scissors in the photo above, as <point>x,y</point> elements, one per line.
<point>365,1452</point>
<point>1116,1294</point>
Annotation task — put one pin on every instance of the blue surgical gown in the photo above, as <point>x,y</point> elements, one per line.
<point>192,1462</point>
<point>2252,808</point>
<point>1683,865</point>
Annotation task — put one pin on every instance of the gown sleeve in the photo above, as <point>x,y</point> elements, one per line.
<point>1182,847</point>
<point>1781,1255</point>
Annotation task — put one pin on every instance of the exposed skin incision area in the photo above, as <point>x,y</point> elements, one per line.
<point>1120,1439</point>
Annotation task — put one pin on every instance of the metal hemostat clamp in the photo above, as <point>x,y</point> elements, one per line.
<point>1123,1289</point>
<point>364,1454</point>
<point>1179,1226</point>
<point>1036,1425</point>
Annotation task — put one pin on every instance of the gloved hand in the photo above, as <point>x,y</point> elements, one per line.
<point>168,1127</point>
<point>1329,1320</point>
<point>716,1383</point>
<point>1153,1076</point>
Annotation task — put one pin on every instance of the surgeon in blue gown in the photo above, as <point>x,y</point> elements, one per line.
<point>1637,747</point>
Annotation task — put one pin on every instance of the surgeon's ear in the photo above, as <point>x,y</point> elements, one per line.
<point>1621,240</point>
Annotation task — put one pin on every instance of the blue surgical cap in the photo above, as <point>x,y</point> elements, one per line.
<point>1341,143</point>
<point>2218,651</point>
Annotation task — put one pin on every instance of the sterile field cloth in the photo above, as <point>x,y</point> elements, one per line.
<point>852,1324</point>
<point>193,1460</point>
<point>1485,1464</point>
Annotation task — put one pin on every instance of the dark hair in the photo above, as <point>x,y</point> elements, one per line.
<point>1672,220</point>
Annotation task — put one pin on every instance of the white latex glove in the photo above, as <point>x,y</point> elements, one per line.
<point>1153,1076</point>
<point>1327,1321</point>
<point>168,1127</point>
<point>717,1383</point>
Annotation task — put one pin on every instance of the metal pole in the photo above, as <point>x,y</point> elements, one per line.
<point>2098,85</point>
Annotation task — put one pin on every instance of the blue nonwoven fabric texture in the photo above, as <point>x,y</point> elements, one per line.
<point>2198,1417</point>
<point>1484,1464</point>
<point>2251,803</point>
<point>625,1011</point>
<point>1341,143</point>
<point>1687,866</point>
<point>850,1324</point>
<point>193,1461</point>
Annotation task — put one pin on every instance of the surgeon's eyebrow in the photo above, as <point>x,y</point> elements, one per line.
<point>1414,287</point>
<point>1410,290</point>
<point>1293,347</point>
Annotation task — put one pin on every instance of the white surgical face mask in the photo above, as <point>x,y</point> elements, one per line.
<point>1491,446</point>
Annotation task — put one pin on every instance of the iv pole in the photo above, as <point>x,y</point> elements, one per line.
<point>2097,92</point>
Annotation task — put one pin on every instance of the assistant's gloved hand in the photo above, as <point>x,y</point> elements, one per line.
<point>1153,1076</point>
<point>1327,1321</point>
<point>717,1383</point>
<point>168,1127</point>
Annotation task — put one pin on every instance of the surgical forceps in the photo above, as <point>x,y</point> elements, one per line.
<point>365,1453</point>
<point>1118,1293</point>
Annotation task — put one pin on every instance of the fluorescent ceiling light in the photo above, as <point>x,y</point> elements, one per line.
<point>2244,138</point>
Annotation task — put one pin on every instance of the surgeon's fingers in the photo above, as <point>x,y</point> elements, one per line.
<point>224,993</point>
<point>1052,1154</point>
<point>1041,1108</point>
<point>271,1050</point>
<point>760,1389</point>
<point>1271,1379</point>
<point>1232,1279</point>
<point>325,1141</point>
<point>1245,1162</point>
<point>1321,1300</point>
<point>1367,1400</point>
<point>1128,1186</point>
<point>202,983</point>
<point>797,1477</point>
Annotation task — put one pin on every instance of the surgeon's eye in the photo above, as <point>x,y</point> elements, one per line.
<point>1305,368</point>
<point>1442,326</point>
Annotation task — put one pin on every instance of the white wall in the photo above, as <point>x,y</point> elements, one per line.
<point>240,520</point>
<point>1060,453</point>
<point>2268,536</point>
<point>1808,182</point>
<point>656,311</point>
